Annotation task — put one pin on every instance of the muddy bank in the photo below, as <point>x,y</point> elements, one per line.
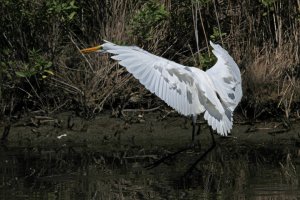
<point>104,158</point>
<point>139,136</point>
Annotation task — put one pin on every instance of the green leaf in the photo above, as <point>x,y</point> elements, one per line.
<point>48,65</point>
<point>25,74</point>
<point>49,72</point>
<point>71,16</point>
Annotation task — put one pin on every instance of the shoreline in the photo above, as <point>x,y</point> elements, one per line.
<point>148,131</point>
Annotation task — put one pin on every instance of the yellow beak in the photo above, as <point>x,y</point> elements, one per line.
<point>91,49</point>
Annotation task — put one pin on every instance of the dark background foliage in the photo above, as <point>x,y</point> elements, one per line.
<point>42,68</point>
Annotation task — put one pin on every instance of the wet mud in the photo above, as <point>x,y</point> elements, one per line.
<point>105,158</point>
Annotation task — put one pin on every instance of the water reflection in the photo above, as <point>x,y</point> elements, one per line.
<point>225,174</point>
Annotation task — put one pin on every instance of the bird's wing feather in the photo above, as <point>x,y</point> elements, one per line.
<point>217,114</point>
<point>172,82</point>
<point>190,91</point>
<point>226,77</point>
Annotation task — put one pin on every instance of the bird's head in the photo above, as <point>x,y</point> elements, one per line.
<point>91,49</point>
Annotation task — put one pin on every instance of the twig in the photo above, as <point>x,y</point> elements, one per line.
<point>71,86</point>
<point>141,157</point>
<point>206,40</point>
<point>219,27</point>
<point>91,68</point>
<point>12,87</point>
<point>34,90</point>
<point>141,110</point>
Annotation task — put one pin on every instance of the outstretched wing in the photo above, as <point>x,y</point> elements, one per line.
<point>225,80</point>
<point>172,82</point>
<point>226,77</point>
<point>217,114</point>
<point>190,91</point>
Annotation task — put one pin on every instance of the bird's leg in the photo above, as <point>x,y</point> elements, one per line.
<point>213,145</point>
<point>199,128</point>
<point>194,121</point>
<point>171,155</point>
<point>5,132</point>
<point>6,129</point>
<point>193,131</point>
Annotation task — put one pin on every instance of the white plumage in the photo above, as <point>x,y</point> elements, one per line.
<point>188,90</point>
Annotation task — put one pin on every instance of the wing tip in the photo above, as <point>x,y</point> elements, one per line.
<point>223,127</point>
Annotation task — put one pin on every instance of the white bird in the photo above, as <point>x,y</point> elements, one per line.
<point>189,90</point>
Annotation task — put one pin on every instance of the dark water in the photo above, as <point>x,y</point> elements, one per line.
<point>48,174</point>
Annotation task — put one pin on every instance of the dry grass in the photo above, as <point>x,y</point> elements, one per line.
<point>265,47</point>
<point>271,80</point>
<point>264,40</point>
<point>94,81</point>
<point>262,36</point>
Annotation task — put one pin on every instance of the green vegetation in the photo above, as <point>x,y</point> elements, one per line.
<point>37,65</point>
<point>147,20</point>
<point>42,69</point>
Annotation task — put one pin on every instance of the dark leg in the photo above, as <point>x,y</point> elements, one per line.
<point>199,128</point>
<point>194,120</point>
<point>171,155</point>
<point>192,167</point>
<point>5,132</point>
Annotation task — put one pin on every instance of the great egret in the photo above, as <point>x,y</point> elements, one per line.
<point>188,90</point>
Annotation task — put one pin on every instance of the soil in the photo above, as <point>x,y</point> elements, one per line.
<point>147,131</point>
<point>111,153</point>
